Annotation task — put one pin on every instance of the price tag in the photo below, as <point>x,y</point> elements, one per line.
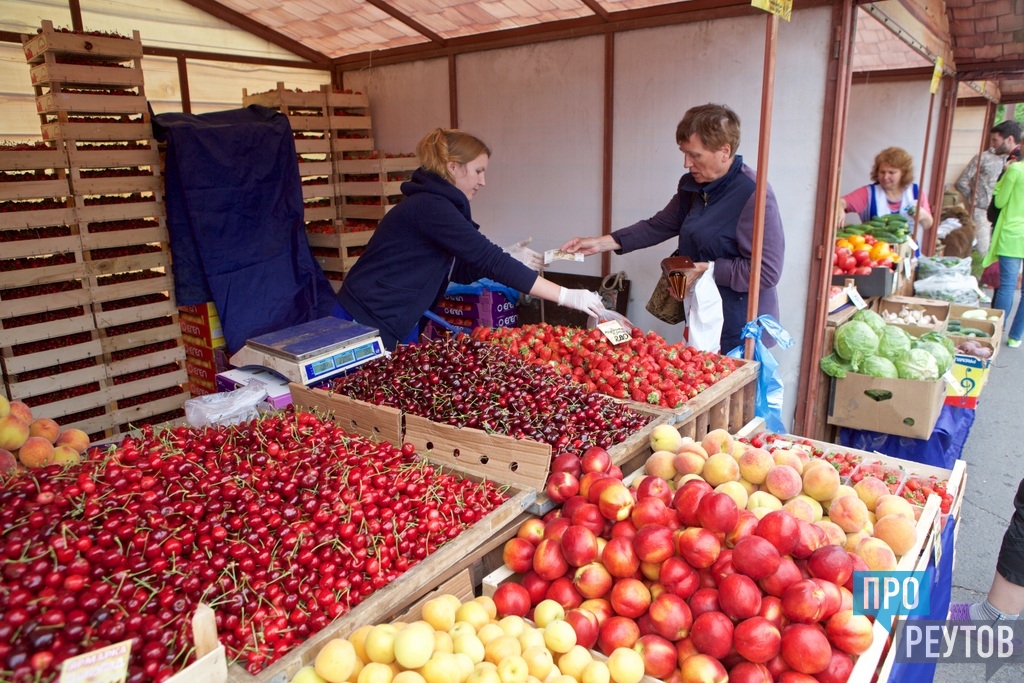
<point>105,665</point>
<point>855,298</point>
<point>615,332</point>
<point>953,382</point>
<point>908,267</point>
<point>938,538</point>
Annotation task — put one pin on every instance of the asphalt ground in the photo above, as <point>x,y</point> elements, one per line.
<point>995,466</point>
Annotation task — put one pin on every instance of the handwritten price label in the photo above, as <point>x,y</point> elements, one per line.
<point>615,332</point>
<point>105,665</point>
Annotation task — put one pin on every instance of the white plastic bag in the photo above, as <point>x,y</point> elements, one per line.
<point>226,408</point>
<point>703,307</point>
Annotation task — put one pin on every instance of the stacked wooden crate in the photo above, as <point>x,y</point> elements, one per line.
<point>336,155</point>
<point>92,106</point>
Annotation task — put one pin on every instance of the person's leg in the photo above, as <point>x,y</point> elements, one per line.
<point>1003,299</point>
<point>1017,327</point>
<point>983,231</point>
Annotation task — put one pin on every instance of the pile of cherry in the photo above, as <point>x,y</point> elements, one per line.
<point>280,524</point>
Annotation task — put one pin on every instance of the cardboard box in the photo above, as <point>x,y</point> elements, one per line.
<point>931,307</point>
<point>994,316</point>
<point>202,335</point>
<point>204,356</point>
<point>881,282</point>
<point>205,311</point>
<point>902,407</point>
<point>278,392</point>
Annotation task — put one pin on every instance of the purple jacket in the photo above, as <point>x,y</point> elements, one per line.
<point>715,222</point>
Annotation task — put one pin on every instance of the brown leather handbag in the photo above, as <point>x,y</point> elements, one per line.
<point>666,302</point>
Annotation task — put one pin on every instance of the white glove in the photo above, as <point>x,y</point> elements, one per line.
<point>582,300</point>
<point>528,257</point>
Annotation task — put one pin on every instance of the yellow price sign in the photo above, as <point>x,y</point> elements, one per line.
<point>783,8</point>
<point>936,76</point>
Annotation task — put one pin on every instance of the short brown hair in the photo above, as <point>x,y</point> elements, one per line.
<point>716,125</point>
<point>442,145</point>
<point>898,158</point>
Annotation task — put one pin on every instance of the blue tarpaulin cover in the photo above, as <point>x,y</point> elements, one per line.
<point>942,449</point>
<point>235,219</point>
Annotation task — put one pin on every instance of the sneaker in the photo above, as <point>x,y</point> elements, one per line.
<point>1013,343</point>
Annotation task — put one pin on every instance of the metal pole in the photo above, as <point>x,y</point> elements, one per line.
<point>761,188</point>
<point>929,237</point>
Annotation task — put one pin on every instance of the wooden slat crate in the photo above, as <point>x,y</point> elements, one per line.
<point>33,215</point>
<point>36,158</point>
<point>112,291</point>
<point>434,569</point>
<point>75,404</point>
<point>96,213</point>
<point>44,300</point>
<point>41,247</point>
<point>115,185</point>
<point>145,361</point>
<point>110,156</point>
<point>318,145</point>
<point>98,46</point>
<point>120,238</point>
<point>93,103</point>
<point>147,385</point>
<point>124,316</point>
<point>312,190</point>
<point>165,331</point>
<point>33,202</point>
<point>370,189</point>
<point>96,265</point>
<point>349,123</point>
<point>348,100</point>
<point>34,189</point>
<point>76,320</point>
<point>342,143</point>
<point>64,350</point>
<point>20,390</point>
<point>44,74</point>
<point>98,130</point>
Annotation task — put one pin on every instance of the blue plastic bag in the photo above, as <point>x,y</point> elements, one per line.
<point>768,404</point>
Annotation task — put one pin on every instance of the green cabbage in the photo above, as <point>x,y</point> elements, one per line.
<point>893,342</point>
<point>877,366</point>
<point>873,320</point>
<point>939,337</point>
<point>834,366</point>
<point>917,364</point>
<point>943,358</point>
<point>855,341</point>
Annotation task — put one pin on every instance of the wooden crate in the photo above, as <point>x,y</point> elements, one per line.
<point>150,207</point>
<point>98,130</point>
<point>76,404</point>
<point>78,319</point>
<point>54,187</point>
<point>443,564</point>
<point>380,166</point>
<point>92,103</point>
<point>16,364</point>
<point>381,423</point>
<point>49,40</point>
<point>39,274</point>
<point>117,76</point>
<point>166,331</point>
<point>38,202</point>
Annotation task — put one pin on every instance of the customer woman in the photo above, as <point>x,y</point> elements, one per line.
<point>429,239</point>
<point>1008,246</point>
<point>711,217</point>
<point>892,190</point>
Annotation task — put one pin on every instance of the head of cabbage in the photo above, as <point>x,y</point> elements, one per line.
<point>943,358</point>
<point>855,341</point>
<point>878,366</point>
<point>893,342</point>
<point>873,320</point>
<point>917,364</point>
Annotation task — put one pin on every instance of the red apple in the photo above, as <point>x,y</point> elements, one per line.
<point>655,487</point>
<point>756,557</point>
<point>616,502</point>
<point>512,598</point>
<point>595,459</point>
<point>630,598</point>
<point>757,639</point>
<point>548,561</point>
<point>678,577</point>
<point>518,554</point>
<point>739,597</point>
<point>593,580</point>
<point>563,591</point>
<point>567,462</point>
<point>620,558</point>
<point>712,634</point>
<point>584,623</point>
<point>779,528</point>
<point>703,600</point>
<point>805,648</point>
<point>616,632</point>
<point>832,563</point>
<point>717,512</point>
<point>782,578</point>
<point>687,499</point>
<point>562,486</point>
<point>702,668</point>
<point>654,543</point>
<point>649,511</point>
<point>535,586</point>
<point>698,546</point>
<point>659,655</point>
<point>670,616</point>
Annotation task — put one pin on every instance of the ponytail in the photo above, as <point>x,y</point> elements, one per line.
<point>441,146</point>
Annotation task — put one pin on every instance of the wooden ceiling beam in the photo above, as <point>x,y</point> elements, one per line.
<point>259,30</point>
<point>408,21</point>
<point>231,58</point>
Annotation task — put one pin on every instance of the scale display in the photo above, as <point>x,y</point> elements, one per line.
<point>331,365</point>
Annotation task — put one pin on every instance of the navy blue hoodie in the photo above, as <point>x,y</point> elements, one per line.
<point>423,243</point>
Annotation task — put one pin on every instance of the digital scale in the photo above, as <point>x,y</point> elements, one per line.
<point>313,351</point>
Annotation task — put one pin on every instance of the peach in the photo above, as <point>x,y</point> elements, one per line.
<point>894,505</point>
<point>854,538</point>
<point>876,553</point>
<point>717,441</point>
<point>815,506</point>
<point>821,482</point>
<point>683,478</point>
<point>898,532</point>
<point>835,534</point>
<point>870,489</point>
<point>754,465</point>
<point>22,411</point>
<point>36,452</point>
<point>659,464</point>
<point>8,463</point>
<point>66,455</point>
<point>816,462</point>
<point>849,512</point>
<point>785,456</point>
<point>691,446</point>
<point>783,482</point>
<point>13,432</point>
<point>75,438</point>
<point>44,427</point>
<point>734,490</point>
<point>763,499</point>
<point>738,449</point>
<point>689,462</point>
<point>5,407</point>
<point>665,437</point>
<point>844,490</point>
<point>800,509</point>
<point>720,468</point>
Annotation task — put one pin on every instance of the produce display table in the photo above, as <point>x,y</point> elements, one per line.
<point>942,449</point>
